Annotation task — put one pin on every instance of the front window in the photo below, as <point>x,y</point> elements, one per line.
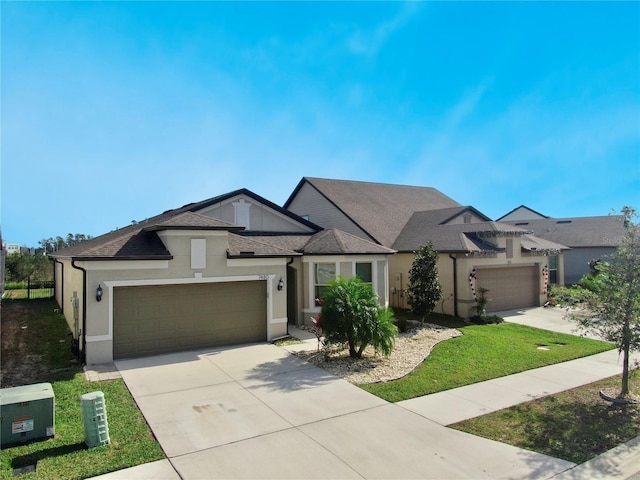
<point>325,273</point>
<point>364,272</point>
<point>553,270</point>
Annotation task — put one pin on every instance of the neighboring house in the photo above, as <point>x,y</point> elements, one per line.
<point>231,269</point>
<point>473,251</point>
<point>589,238</point>
<point>12,249</point>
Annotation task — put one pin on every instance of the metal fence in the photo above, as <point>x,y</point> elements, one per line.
<point>41,289</point>
<point>29,290</point>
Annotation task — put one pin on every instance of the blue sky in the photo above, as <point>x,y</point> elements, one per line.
<point>118,111</point>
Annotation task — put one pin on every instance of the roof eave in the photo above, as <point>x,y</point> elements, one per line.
<point>93,258</point>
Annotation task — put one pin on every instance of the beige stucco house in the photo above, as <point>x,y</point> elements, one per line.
<point>231,269</point>
<point>473,251</point>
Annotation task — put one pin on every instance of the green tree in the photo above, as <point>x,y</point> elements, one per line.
<point>23,267</point>
<point>424,289</point>
<point>351,314</point>
<point>54,244</point>
<point>614,302</point>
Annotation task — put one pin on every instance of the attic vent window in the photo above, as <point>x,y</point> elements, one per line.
<point>467,218</point>
<point>563,221</point>
<point>241,214</point>
<point>522,223</point>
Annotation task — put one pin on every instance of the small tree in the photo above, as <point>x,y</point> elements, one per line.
<point>351,314</point>
<point>425,289</point>
<point>614,305</point>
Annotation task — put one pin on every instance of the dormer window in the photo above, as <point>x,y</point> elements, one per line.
<point>241,214</point>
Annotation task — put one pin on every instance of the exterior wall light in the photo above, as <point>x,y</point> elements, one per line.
<point>280,284</point>
<point>99,293</point>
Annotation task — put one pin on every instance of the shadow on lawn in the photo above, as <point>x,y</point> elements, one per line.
<point>578,432</point>
<point>34,457</point>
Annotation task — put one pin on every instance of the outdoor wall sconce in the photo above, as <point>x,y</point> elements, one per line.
<point>280,284</point>
<point>99,293</point>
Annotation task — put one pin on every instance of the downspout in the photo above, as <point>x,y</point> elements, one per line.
<point>286,272</point>
<point>82,355</point>
<point>455,284</point>
<point>55,260</point>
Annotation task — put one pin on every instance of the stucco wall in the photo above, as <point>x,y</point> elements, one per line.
<point>576,262</point>
<point>308,202</point>
<point>400,264</point>
<point>261,218</point>
<point>111,274</point>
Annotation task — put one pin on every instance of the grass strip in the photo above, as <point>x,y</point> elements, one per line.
<point>576,425</point>
<point>482,353</point>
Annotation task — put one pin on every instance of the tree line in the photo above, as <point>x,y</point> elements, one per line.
<point>37,266</point>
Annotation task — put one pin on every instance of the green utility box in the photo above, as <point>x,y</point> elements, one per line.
<point>26,413</point>
<point>94,417</point>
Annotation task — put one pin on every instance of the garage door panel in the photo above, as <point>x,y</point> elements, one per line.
<point>513,287</point>
<point>162,319</point>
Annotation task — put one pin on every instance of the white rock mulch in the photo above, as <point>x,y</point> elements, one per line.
<point>410,350</point>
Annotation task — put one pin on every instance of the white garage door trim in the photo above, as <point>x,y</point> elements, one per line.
<point>111,284</point>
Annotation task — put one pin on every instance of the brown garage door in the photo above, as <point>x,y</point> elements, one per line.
<point>513,287</point>
<point>168,318</point>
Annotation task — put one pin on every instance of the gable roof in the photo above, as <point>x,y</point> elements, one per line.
<point>381,210</point>
<point>523,208</point>
<point>602,231</point>
<point>141,242</point>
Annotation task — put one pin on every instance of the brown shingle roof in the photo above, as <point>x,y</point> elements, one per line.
<point>459,238</point>
<point>332,242</point>
<point>241,246</point>
<point>326,242</point>
<point>192,221</point>
<point>603,231</point>
<point>380,209</point>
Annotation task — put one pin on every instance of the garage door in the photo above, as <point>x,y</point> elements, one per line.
<point>168,318</point>
<point>513,287</point>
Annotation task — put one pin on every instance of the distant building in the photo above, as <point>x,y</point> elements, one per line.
<point>11,248</point>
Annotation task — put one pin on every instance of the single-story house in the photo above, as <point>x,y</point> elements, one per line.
<point>588,238</point>
<point>474,252</point>
<point>231,269</point>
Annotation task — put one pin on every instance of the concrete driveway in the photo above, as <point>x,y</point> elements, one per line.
<point>257,411</point>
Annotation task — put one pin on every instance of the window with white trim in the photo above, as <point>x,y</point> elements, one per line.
<point>324,273</point>
<point>553,269</point>
<point>364,272</point>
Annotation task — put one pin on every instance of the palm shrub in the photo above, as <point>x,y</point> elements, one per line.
<point>351,315</point>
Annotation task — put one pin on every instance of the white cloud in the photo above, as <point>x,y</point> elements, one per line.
<point>369,42</point>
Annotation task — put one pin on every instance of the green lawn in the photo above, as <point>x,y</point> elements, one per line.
<point>484,352</point>
<point>575,425</point>
<point>35,348</point>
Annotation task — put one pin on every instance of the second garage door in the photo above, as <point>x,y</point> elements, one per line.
<point>513,287</point>
<point>149,320</point>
